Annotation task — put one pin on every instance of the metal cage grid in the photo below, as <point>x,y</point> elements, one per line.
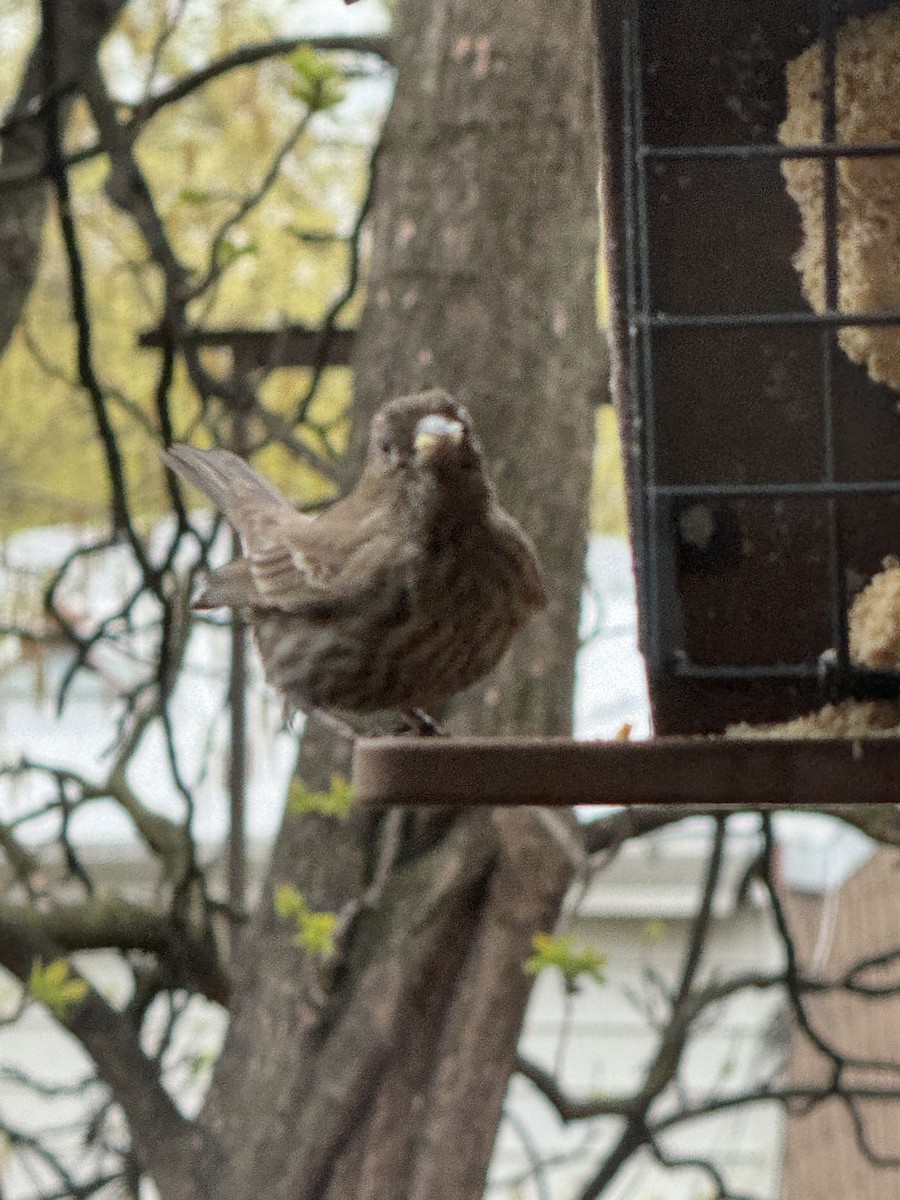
<point>659,328</point>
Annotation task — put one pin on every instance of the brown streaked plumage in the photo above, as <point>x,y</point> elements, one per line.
<point>407,590</point>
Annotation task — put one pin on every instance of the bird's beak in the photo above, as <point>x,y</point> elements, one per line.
<point>433,431</point>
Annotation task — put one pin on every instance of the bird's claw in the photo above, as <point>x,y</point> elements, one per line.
<point>413,723</point>
<point>336,724</point>
<point>421,724</point>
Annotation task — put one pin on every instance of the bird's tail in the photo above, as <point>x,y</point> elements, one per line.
<point>232,485</point>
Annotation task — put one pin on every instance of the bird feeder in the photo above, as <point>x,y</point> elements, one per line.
<point>751,163</point>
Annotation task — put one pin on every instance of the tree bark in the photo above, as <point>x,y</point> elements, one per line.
<point>384,1075</point>
<point>483,282</point>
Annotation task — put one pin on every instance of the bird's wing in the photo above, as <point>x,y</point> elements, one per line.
<point>286,560</point>
<point>316,563</point>
<point>517,544</point>
<point>230,586</point>
<point>276,570</point>
<point>291,561</point>
<point>297,561</point>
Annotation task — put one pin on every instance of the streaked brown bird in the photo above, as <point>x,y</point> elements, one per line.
<point>405,591</point>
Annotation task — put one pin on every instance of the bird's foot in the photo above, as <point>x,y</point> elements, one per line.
<point>418,722</point>
<point>413,723</point>
<point>324,716</point>
<point>334,723</point>
<point>289,718</point>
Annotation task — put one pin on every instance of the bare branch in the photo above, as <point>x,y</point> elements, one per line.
<point>684,1162</point>
<point>531,1153</point>
<point>87,375</point>
<point>249,55</point>
<point>667,1059</point>
<point>166,1142</point>
<point>567,1107</point>
<point>615,828</point>
<point>31,170</point>
<point>164,837</point>
<point>115,923</point>
<point>80,28</point>
<point>329,324</point>
<point>250,201</point>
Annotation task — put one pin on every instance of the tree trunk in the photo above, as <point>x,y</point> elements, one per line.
<point>81,26</point>
<point>483,282</point>
<point>384,1076</point>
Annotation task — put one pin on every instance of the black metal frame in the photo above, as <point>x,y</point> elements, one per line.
<point>832,671</point>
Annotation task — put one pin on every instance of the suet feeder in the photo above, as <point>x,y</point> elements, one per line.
<point>753,361</point>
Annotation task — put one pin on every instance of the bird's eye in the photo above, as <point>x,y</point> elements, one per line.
<point>384,444</point>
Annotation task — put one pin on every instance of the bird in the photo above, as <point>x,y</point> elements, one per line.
<point>404,592</point>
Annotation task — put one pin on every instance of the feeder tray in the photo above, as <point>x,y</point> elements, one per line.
<point>758,773</point>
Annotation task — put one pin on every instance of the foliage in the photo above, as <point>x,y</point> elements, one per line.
<point>608,515</point>
<point>335,802</point>
<point>315,931</point>
<point>55,987</point>
<point>284,261</point>
<point>561,954</point>
<point>318,83</point>
<point>655,932</point>
<point>261,276</point>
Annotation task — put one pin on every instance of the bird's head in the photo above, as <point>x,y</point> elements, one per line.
<point>428,439</point>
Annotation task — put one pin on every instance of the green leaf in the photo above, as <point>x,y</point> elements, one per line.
<point>194,196</point>
<point>335,802</point>
<point>317,81</point>
<point>312,237</point>
<point>55,988</point>
<point>314,931</point>
<point>655,931</point>
<point>289,903</point>
<point>559,952</point>
<point>201,1062</point>
<point>315,934</point>
<point>230,251</point>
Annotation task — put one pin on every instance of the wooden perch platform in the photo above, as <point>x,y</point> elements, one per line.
<point>752,773</point>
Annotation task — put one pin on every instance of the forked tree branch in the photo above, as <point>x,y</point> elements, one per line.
<point>165,1141</point>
